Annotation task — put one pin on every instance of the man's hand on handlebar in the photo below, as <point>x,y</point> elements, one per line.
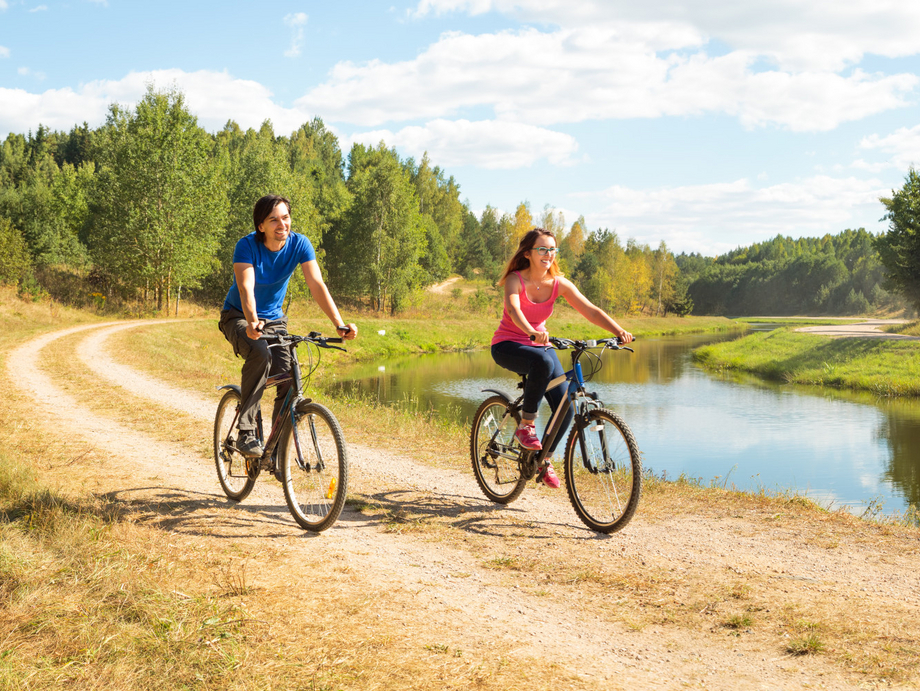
<point>254,329</point>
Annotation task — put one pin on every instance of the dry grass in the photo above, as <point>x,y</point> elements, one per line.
<point>97,592</point>
<point>96,596</point>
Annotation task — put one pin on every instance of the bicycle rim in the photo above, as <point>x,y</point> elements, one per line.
<point>315,480</point>
<point>494,452</point>
<point>603,472</point>
<point>231,465</point>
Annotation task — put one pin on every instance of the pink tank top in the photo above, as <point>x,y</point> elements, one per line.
<point>536,314</point>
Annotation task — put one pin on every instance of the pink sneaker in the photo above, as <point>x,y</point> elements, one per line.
<point>548,476</point>
<point>527,436</point>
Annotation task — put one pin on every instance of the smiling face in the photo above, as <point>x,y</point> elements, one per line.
<point>276,227</point>
<point>541,262</point>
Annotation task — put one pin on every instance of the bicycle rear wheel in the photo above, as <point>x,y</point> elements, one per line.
<point>315,480</point>
<point>603,472</point>
<point>496,457</point>
<point>232,473</point>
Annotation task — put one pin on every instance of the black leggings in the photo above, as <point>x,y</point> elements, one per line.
<point>541,365</point>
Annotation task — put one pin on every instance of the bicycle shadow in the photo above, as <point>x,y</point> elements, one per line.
<point>475,515</point>
<point>179,510</point>
<point>175,509</point>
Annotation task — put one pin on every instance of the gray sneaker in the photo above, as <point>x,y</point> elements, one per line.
<point>249,445</point>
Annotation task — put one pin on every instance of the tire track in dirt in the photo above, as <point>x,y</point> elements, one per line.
<point>479,608</point>
<point>448,593</point>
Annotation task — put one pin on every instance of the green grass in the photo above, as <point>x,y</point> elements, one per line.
<point>799,321</point>
<point>884,368</point>
<point>908,329</point>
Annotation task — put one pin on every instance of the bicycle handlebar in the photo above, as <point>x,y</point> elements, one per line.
<point>314,337</point>
<point>566,343</point>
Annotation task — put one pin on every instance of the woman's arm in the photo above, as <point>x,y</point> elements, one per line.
<point>513,289</point>
<point>314,278</point>
<point>590,311</point>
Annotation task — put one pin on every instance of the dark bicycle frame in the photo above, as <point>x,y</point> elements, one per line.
<point>292,399</point>
<point>531,460</point>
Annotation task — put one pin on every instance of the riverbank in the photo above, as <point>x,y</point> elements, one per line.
<point>124,566</point>
<point>875,365</point>
<point>442,326</point>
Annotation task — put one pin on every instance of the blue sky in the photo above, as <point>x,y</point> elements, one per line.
<point>708,124</point>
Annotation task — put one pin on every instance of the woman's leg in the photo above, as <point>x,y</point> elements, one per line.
<point>537,362</point>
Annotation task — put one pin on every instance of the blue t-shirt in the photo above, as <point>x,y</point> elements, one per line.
<point>273,272</point>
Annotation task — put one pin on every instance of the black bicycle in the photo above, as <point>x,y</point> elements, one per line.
<point>602,467</point>
<point>305,451</point>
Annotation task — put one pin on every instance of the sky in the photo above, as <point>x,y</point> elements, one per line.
<point>705,124</point>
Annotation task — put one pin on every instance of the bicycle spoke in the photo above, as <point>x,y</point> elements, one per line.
<point>315,468</point>
<point>603,472</point>
<point>496,459</point>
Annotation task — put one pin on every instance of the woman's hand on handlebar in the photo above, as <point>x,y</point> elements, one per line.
<point>540,338</point>
<point>625,337</point>
<point>348,332</point>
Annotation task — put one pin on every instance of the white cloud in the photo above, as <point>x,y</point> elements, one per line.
<point>39,8</point>
<point>598,72</point>
<point>485,144</point>
<point>26,72</point>
<point>902,146</point>
<point>797,35</point>
<point>214,97</point>
<point>715,218</point>
<point>4,52</point>
<point>296,21</point>
<point>3,4</point>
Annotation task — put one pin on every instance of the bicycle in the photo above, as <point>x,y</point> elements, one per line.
<point>602,467</point>
<point>305,451</point>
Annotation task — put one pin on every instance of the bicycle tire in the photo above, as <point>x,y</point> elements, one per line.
<point>604,489</point>
<point>236,476</point>
<point>495,456</point>
<point>315,493</point>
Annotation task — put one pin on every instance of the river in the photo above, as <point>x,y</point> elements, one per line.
<point>836,448</point>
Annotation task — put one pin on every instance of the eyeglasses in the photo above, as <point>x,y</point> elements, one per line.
<point>543,251</point>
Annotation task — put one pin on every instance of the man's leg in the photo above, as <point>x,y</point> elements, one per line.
<point>256,367</point>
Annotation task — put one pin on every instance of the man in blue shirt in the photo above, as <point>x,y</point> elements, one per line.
<point>263,263</point>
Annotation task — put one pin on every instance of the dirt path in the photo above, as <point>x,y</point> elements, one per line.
<point>444,286</point>
<point>871,328</point>
<point>443,590</point>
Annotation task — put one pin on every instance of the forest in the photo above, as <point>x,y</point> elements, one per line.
<point>145,210</point>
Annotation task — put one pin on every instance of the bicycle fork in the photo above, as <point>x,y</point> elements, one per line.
<point>591,457</point>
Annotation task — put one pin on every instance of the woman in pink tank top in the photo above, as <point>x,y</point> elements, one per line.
<point>532,282</point>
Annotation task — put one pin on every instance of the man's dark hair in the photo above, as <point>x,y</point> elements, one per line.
<point>263,209</point>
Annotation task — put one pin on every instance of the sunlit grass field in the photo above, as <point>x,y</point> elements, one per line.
<point>881,367</point>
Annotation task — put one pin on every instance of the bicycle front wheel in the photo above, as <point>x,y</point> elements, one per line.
<point>603,472</point>
<point>314,466</point>
<point>496,457</point>
<point>232,472</point>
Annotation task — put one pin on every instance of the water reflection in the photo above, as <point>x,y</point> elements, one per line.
<point>836,447</point>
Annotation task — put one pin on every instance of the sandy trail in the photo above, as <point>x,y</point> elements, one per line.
<point>444,589</point>
<point>871,328</point>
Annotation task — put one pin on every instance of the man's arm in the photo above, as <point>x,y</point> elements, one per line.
<point>320,293</point>
<point>246,282</point>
